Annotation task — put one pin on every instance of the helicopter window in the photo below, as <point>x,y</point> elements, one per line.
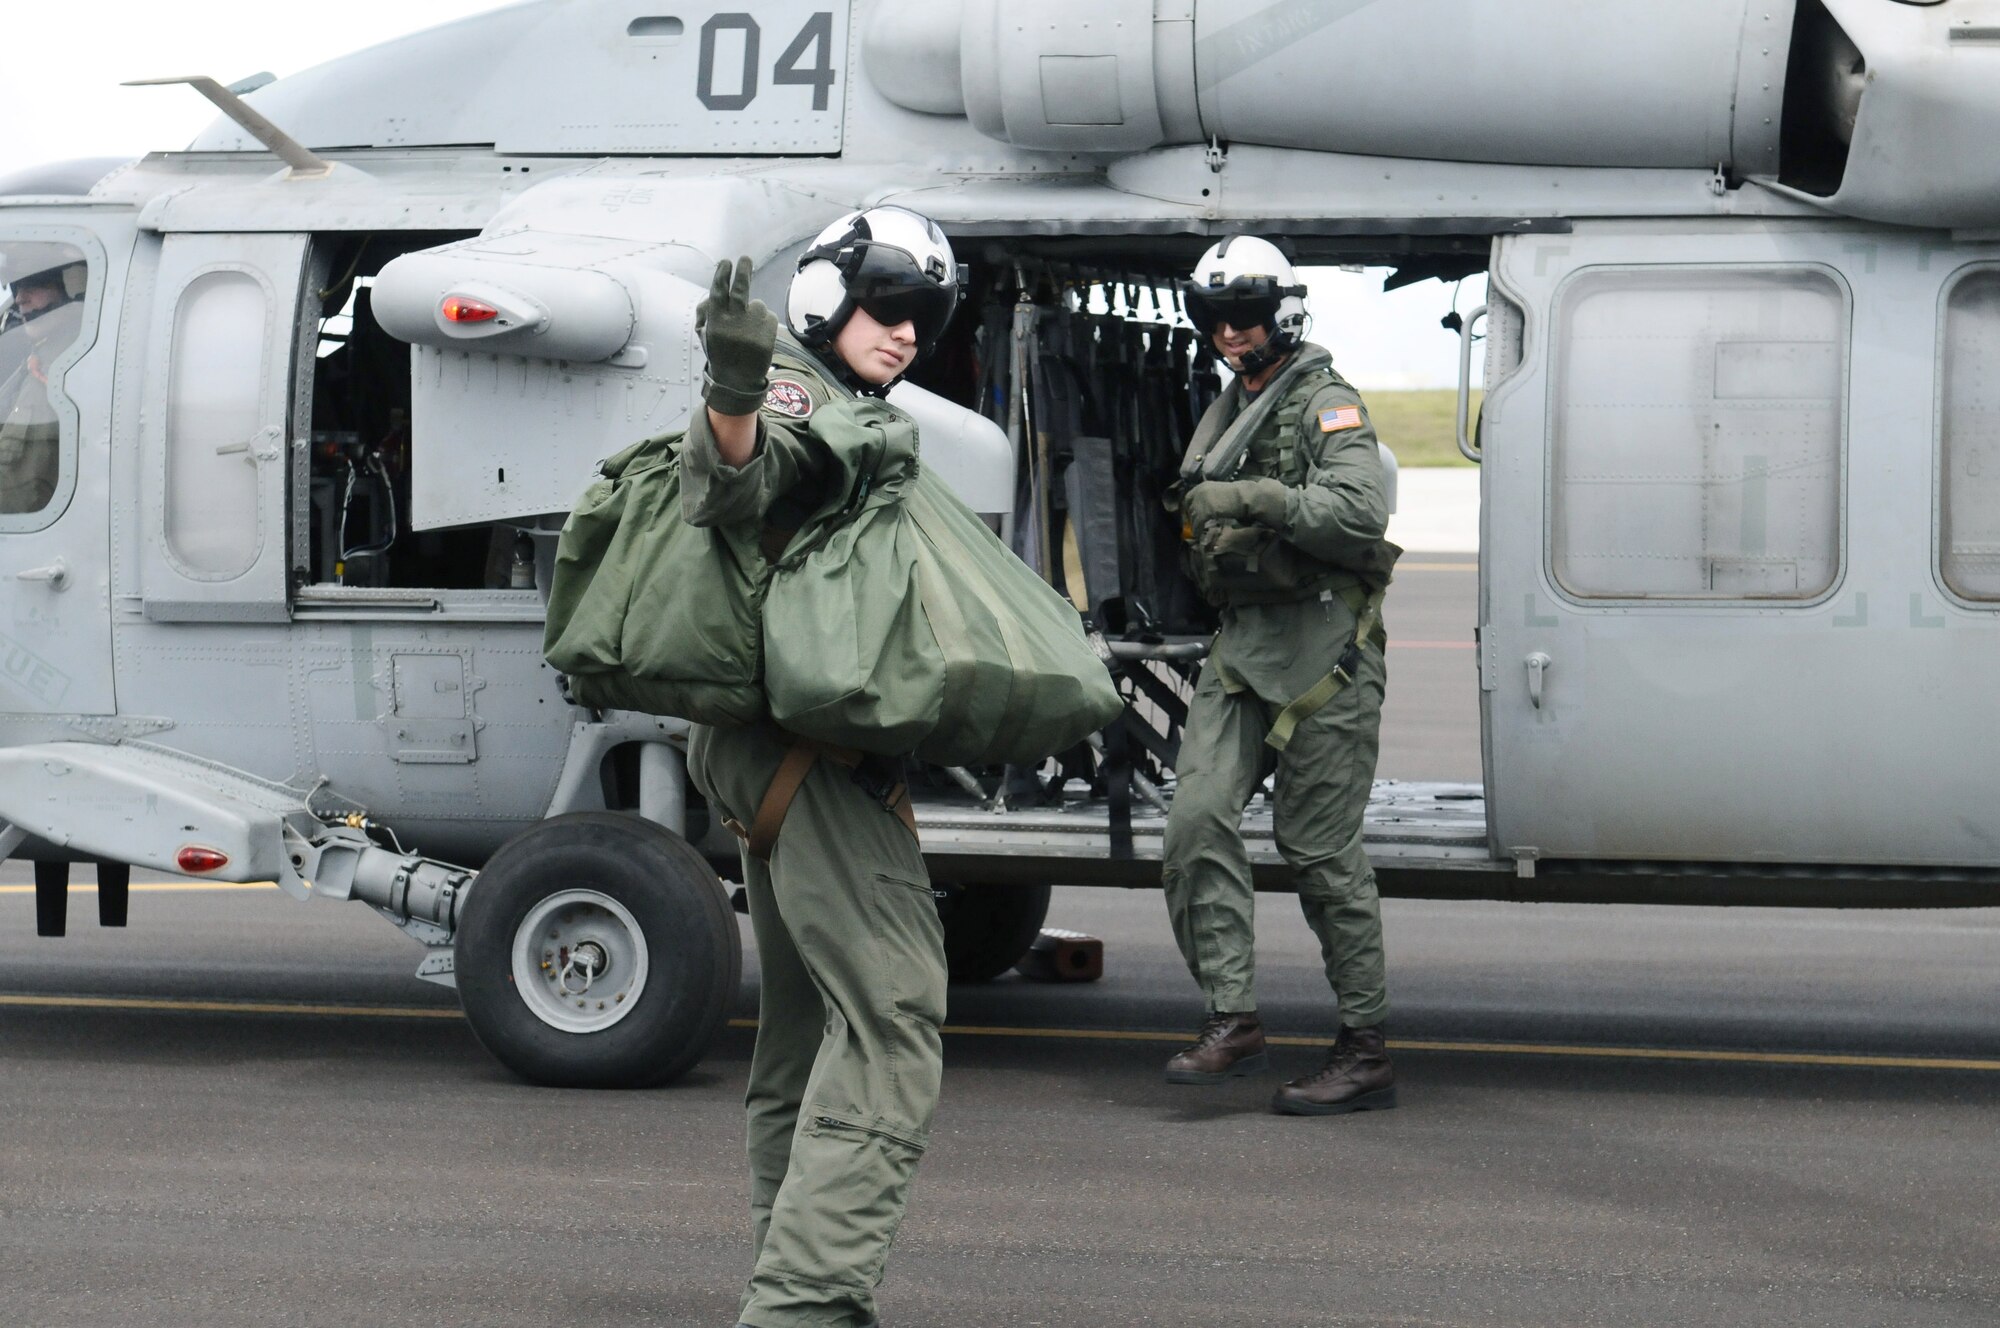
<point>1697,426</point>
<point>1969,551</point>
<point>41,321</point>
<point>214,410</point>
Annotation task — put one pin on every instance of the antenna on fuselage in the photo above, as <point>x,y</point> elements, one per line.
<point>304,162</point>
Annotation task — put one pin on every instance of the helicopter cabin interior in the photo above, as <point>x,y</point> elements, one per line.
<point>1075,349</point>
<point>1108,359</point>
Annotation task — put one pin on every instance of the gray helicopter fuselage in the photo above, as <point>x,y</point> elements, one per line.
<point>1736,597</point>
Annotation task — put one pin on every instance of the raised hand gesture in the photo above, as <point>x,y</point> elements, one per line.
<point>737,334</point>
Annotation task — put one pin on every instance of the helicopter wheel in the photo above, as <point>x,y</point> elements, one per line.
<point>597,950</point>
<point>987,928</point>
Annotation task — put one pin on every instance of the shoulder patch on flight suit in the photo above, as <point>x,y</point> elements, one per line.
<point>1340,417</point>
<point>789,398</point>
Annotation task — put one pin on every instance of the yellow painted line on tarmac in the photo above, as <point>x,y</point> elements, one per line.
<point>227,1007</point>
<point>1812,1059</point>
<point>151,887</point>
<point>1724,1057</point>
<point>1500,1048</point>
<point>1437,567</point>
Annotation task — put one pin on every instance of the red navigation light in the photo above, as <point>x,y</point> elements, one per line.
<point>194,859</point>
<point>462,309</point>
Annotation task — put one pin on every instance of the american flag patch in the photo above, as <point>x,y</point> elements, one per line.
<point>1343,417</point>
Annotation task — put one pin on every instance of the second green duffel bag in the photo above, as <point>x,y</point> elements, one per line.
<point>907,627</point>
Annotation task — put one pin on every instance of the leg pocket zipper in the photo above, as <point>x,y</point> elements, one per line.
<point>849,1127</point>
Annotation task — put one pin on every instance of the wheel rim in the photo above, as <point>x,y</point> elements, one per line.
<point>580,961</point>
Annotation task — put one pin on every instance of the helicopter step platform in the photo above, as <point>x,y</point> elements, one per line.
<point>1418,835</point>
<point>1426,840</point>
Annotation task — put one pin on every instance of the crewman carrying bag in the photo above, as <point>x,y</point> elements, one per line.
<point>892,622</point>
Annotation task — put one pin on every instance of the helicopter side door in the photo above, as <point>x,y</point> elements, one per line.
<point>1718,622</point>
<point>55,425</point>
<point>216,428</point>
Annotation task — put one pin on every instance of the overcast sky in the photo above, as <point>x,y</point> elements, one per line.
<point>61,99</point>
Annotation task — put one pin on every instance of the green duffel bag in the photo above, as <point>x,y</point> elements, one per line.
<point>621,623</point>
<point>897,623</point>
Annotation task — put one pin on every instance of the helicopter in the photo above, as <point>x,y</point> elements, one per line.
<point>293,416</point>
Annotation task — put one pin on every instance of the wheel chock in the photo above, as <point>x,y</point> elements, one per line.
<point>1063,956</point>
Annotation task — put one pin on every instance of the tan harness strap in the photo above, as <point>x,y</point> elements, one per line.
<point>762,835</point>
<point>777,803</point>
<point>904,810</point>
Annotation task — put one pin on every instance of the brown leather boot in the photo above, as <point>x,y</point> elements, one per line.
<point>1227,1046</point>
<point>1357,1076</point>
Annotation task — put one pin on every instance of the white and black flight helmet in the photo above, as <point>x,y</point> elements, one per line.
<point>57,267</point>
<point>890,261</point>
<point>1245,282</point>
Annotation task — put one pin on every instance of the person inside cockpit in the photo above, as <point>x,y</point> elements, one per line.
<point>43,320</point>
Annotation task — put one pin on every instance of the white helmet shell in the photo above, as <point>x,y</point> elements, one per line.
<point>1247,272</point>
<point>889,257</point>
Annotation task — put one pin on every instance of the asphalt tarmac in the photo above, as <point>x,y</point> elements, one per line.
<point>243,1110</point>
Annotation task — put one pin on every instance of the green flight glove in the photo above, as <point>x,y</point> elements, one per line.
<point>1260,500</point>
<point>737,334</point>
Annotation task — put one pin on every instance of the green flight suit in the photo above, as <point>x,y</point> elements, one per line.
<point>845,1075</point>
<point>1267,654</point>
<point>30,441</point>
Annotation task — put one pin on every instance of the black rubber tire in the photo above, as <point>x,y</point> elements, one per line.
<point>694,952</point>
<point>987,928</point>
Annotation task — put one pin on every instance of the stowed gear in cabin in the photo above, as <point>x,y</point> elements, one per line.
<point>1098,404</point>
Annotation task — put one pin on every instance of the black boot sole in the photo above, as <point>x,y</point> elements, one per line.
<point>1248,1065</point>
<point>1382,1099</point>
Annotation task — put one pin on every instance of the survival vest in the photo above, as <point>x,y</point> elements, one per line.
<point>1246,563</point>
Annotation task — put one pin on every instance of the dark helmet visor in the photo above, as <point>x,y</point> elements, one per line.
<point>1244,302</point>
<point>1206,309</point>
<point>886,284</point>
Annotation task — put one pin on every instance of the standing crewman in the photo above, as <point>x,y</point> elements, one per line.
<point>845,1075</point>
<point>1283,505</point>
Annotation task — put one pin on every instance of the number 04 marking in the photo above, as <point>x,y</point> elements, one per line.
<point>815,37</point>
<point>818,35</point>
